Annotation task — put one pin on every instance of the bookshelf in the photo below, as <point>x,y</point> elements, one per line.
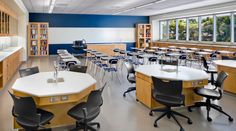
<point>38,39</point>
<point>143,35</point>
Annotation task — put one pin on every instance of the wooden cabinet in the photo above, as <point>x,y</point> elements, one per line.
<point>38,39</point>
<point>143,35</point>
<point>8,21</point>
<point>144,88</point>
<point>9,66</point>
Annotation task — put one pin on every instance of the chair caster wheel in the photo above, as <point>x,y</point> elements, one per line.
<point>150,113</point>
<point>137,100</point>
<point>231,119</point>
<point>181,129</point>
<point>98,126</point>
<point>209,119</point>
<point>190,122</point>
<point>168,116</point>
<point>124,95</point>
<point>189,109</point>
<point>155,124</point>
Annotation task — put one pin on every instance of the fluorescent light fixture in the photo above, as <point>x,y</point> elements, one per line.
<point>141,6</point>
<point>52,6</point>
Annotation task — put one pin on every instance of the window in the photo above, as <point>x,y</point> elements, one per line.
<point>223,28</point>
<point>182,29</point>
<point>172,29</point>
<point>234,27</point>
<point>207,28</point>
<point>163,30</point>
<point>193,29</point>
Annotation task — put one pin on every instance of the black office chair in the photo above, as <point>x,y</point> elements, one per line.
<point>27,115</point>
<point>207,70</point>
<point>85,112</point>
<point>212,94</point>
<point>130,77</point>
<point>28,71</point>
<point>168,93</point>
<point>165,62</point>
<point>152,60</point>
<point>78,68</point>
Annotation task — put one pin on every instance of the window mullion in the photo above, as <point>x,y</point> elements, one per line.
<point>214,28</point>
<point>199,28</point>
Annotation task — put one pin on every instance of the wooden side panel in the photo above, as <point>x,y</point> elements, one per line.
<point>230,82</point>
<point>144,87</point>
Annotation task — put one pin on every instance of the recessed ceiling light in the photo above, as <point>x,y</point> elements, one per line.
<point>52,6</point>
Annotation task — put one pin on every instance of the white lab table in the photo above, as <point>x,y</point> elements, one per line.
<point>57,98</point>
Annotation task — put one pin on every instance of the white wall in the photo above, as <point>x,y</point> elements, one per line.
<point>23,19</point>
<point>91,35</point>
<point>222,8</point>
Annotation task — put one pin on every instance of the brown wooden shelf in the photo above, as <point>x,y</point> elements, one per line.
<point>41,29</point>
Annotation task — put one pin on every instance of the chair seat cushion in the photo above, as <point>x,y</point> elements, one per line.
<point>168,100</point>
<point>44,119</point>
<point>131,79</point>
<point>76,112</point>
<point>45,116</point>
<point>209,93</point>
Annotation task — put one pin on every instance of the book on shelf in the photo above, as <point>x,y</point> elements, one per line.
<point>34,43</point>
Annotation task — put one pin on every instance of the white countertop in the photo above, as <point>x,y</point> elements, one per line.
<point>228,63</point>
<point>7,52</point>
<point>37,85</point>
<point>184,73</point>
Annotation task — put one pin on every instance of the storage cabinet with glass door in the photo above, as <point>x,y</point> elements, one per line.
<point>38,39</point>
<point>8,24</point>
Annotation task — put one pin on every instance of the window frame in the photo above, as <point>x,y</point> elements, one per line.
<point>214,41</point>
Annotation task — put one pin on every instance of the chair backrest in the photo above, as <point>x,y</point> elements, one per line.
<point>78,68</point>
<point>171,88</point>
<point>220,82</point>
<point>152,59</point>
<point>130,67</point>
<point>183,57</point>
<point>113,61</point>
<point>204,62</point>
<point>28,71</point>
<point>95,97</point>
<point>116,50</point>
<point>25,108</point>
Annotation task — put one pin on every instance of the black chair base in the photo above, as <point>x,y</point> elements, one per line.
<point>169,113</point>
<point>86,126</point>
<point>129,90</point>
<point>208,106</point>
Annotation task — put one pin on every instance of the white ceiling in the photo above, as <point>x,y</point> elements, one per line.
<point>111,7</point>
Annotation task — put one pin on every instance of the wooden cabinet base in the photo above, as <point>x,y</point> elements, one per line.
<point>144,91</point>
<point>9,66</point>
<point>58,108</point>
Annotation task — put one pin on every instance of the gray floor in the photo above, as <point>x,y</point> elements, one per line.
<point>125,114</point>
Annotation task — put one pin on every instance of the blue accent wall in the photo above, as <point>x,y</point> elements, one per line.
<point>80,20</point>
<point>86,21</point>
<point>54,47</point>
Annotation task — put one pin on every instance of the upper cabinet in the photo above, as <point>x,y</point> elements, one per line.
<point>8,21</point>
